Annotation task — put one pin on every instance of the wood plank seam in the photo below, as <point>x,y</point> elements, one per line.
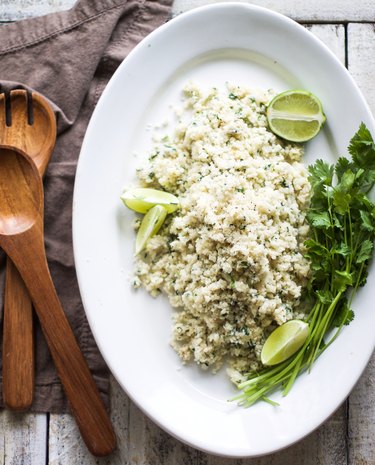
<point>347,442</point>
<point>331,22</point>
<point>347,400</point>
<point>346,46</point>
<point>48,415</point>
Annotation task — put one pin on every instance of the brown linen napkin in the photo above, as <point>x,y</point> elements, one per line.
<point>69,57</point>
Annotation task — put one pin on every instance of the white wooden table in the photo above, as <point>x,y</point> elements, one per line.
<point>348,437</point>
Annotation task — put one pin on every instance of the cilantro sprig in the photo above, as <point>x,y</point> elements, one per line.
<point>342,224</point>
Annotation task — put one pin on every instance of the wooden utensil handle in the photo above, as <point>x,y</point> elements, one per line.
<point>80,388</point>
<point>28,254</point>
<point>18,343</point>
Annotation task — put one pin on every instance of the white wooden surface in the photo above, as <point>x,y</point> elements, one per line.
<point>348,437</point>
<point>308,11</point>
<point>318,10</point>
<point>11,10</point>
<point>361,404</point>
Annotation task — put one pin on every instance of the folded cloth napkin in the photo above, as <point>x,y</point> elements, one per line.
<point>69,57</point>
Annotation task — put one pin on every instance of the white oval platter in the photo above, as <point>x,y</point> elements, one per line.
<point>241,44</point>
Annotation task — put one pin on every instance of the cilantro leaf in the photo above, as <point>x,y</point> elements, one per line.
<point>368,180</point>
<point>363,279</point>
<point>321,173</point>
<point>367,221</point>
<point>342,249</point>
<point>314,246</point>
<point>341,201</point>
<point>337,222</point>
<point>362,202</point>
<point>349,317</point>
<point>346,181</point>
<point>365,251</point>
<point>320,220</point>
<point>344,315</point>
<point>342,279</point>
<point>325,297</point>
<point>362,148</point>
<point>342,165</point>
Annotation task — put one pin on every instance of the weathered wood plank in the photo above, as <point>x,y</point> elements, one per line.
<point>146,444</point>
<point>361,413</point>
<point>326,446</point>
<point>23,438</point>
<point>361,63</point>
<point>332,35</point>
<point>152,446</point>
<point>319,10</point>
<point>67,448</point>
<point>65,444</point>
<point>12,10</point>
<point>361,420</point>
<point>332,11</point>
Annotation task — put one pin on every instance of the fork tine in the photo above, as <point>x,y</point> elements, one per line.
<point>18,102</point>
<point>2,116</point>
<point>19,112</point>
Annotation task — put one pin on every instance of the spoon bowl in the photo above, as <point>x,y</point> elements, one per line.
<point>20,206</point>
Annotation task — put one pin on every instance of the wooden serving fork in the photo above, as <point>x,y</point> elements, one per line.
<point>27,122</point>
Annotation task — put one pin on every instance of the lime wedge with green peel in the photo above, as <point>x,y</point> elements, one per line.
<point>141,199</point>
<point>284,341</point>
<point>295,115</point>
<point>150,225</point>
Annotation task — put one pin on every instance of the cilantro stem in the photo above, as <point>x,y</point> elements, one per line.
<point>322,328</point>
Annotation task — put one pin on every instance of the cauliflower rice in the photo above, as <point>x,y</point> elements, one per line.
<point>231,258</point>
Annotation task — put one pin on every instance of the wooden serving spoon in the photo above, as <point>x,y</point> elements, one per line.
<point>37,138</point>
<point>22,238</point>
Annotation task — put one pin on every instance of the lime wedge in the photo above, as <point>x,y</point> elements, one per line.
<point>295,115</point>
<point>284,341</point>
<point>141,199</point>
<point>150,225</point>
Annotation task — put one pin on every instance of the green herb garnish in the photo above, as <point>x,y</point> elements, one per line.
<point>342,220</point>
